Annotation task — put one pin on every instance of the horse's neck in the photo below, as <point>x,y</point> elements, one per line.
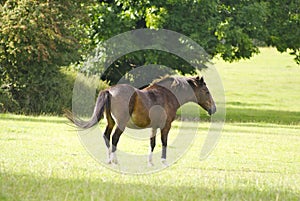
<point>183,92</point>
<point>186,95</point>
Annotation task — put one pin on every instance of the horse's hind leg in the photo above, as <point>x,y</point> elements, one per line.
<point>152,145</point>
<point>107,133</point>
<point>115,139</point>
<point>106,137</point>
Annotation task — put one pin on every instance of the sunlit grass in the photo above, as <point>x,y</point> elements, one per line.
<point>269,81</point>
<point>257,156</point>
<point>263,89</point>
<point>45,161</point>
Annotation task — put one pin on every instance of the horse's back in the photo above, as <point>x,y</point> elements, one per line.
<point>122,90</point>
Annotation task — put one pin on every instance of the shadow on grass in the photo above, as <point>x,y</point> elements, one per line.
<point>262,115</point>
<point>238,112</point>
<point>43,119</point>
<point>29,187</point>
<point>235,112</point>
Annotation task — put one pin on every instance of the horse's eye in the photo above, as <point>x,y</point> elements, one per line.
<point>207,93</point>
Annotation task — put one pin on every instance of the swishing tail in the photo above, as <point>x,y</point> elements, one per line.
<point>102,103</point>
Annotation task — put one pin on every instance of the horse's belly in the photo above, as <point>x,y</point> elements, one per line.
<point>139,121</point>
<point>132,125</point>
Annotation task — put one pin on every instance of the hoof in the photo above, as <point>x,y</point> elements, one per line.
<point>164,162</point>
<point>150,164</point>
<point>113,158</point>
<point>114,162</point>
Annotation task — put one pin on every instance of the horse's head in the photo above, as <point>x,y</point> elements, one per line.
<point>203,96</point>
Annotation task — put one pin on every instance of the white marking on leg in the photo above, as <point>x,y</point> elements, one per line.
<point>150,162</point>
<point>108,156</point>
<point>113,158</point>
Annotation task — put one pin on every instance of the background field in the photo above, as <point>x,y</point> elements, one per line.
<point>257,157</point>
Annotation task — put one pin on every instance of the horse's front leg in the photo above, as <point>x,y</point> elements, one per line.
<point>152,145</point>
<point>164,141</point>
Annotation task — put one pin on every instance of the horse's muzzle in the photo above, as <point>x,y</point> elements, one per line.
<point>212,110</point>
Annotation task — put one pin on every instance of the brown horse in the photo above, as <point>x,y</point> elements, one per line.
<point>152,107</point>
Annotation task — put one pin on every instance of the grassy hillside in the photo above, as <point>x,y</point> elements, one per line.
<point>263,89</point>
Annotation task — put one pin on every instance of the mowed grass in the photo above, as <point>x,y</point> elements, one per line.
<point>41,159</point>
<point>257,156</point>
<point>265,88</point>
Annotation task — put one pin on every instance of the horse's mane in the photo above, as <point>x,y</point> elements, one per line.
<point>171,82</point>
<point>181,87</point>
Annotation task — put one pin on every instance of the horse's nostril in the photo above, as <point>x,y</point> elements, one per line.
<point>212,110</point>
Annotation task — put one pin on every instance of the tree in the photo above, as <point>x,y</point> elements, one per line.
<point>36,38</point>
<point>283,26</point>
<point>231,29</point>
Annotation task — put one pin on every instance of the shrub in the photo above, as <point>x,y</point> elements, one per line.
<point>7,103</point>
<point>52,96</point>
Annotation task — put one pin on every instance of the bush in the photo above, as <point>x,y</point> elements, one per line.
<point>7,103</point>
<point>36,37</point>
<point>50,97</point>
<point>86,88</point>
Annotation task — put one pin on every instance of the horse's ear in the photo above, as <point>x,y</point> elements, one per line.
<point>200,79</point>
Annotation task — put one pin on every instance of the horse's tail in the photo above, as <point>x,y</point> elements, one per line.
<point>102,103</point>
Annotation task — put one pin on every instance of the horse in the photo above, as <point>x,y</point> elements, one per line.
<point>152,107</point>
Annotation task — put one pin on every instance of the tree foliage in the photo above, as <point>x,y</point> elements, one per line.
<point>36,38</point>
<point>231,29</point>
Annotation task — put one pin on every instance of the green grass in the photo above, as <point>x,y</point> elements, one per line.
<point>257,156</point>
<point>42,160</point>
<point>263,89</point>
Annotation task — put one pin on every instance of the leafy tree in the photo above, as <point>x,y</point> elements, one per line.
<point>36,38</point>
<point>283,26</point>
<point>229,28</point>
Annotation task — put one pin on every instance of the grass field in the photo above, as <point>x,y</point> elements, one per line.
<point>257,157</point>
